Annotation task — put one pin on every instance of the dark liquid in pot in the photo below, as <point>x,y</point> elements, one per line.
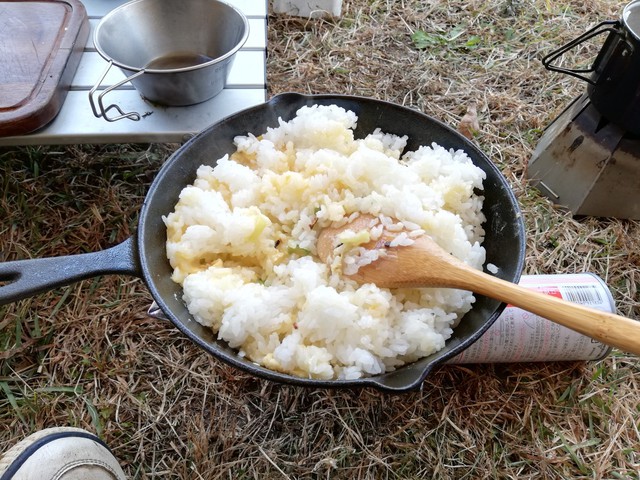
<point>177,60</point>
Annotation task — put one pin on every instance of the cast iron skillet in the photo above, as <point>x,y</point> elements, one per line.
<point>144,254</point>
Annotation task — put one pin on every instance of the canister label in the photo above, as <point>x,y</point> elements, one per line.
<point>521,336</point>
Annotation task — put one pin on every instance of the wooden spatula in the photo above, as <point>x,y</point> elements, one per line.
<point>426,264</point>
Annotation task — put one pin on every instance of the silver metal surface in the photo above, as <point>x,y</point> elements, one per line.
<point>588,165</point>
<point>156,312</point>
<point>631,18</point>
<point>184,50</point>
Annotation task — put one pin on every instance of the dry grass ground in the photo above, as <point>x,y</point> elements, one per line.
<point>88,355</point>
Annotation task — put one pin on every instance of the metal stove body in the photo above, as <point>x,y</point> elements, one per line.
<point>588,158</point>
<point>588,164</point>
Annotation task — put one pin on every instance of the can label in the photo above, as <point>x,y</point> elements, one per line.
<point>521,336</point>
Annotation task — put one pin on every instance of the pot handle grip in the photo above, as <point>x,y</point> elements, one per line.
<point>24,278</point>
<point>603,27</point>
<point>99,110</point>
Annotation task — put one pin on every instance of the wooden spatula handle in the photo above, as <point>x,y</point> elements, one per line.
<point>425,264</point>
<point>608,328</point>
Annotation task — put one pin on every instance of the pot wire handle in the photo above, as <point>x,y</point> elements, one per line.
<point>577,72</point>
<point>100,110</point>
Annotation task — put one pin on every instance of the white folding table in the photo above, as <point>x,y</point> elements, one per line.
<point>76,123</point>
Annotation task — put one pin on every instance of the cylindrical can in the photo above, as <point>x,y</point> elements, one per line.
<point>521,336</point>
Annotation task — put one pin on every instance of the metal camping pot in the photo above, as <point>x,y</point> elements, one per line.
<point>614,76</point>
<point>173,53</point>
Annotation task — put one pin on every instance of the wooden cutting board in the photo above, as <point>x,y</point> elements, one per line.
<point>41,43</point>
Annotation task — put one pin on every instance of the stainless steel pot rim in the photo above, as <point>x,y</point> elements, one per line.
<point>199,66</point>
<point>631,18</point>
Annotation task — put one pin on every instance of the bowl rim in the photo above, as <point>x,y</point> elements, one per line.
<point>109,16</point>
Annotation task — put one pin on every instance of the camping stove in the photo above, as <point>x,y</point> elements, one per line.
<point>588,164</point>
<point>588,158</point>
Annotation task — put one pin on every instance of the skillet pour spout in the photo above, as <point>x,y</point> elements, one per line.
<point>144,255</point>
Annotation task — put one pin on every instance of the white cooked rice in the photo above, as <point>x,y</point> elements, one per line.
<point>242,242</point>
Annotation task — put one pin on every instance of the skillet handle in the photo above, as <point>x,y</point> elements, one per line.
<point>24,278</point>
